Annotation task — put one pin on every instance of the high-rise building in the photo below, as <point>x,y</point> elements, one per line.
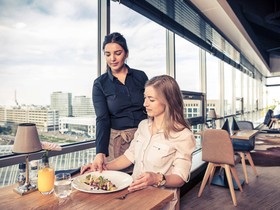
<point>82,106</point>
<point>62,102</point>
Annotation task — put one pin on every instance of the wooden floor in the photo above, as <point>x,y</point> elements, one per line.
<point>262,193</point>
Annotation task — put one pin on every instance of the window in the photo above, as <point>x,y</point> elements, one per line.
<point>228,75</point>
<point>213,83</point>
<point>187,65</point>
<point>238,92</point>
<point>48,61</point>
<point>245,92</point>
<point>145,39</point>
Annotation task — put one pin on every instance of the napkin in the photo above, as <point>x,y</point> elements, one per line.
<point>70,171</point>
<point>50,146</point>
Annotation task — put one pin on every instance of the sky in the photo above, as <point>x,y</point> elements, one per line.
<point>49,46</point>
<point>42,51</point>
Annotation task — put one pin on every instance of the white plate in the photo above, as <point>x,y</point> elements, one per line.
<point>120,179</point>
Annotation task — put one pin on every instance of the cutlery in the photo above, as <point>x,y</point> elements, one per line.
<point>124,196</point>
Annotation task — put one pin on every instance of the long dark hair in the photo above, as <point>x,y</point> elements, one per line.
<point>115,38</point>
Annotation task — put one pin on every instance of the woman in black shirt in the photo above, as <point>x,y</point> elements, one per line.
<point>118,97</point>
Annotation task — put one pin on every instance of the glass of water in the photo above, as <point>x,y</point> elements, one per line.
<point>62,185</point>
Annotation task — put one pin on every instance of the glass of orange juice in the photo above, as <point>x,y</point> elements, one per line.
<point>46,180</point>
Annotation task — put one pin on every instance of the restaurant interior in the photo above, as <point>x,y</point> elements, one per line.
<point>225,56</point>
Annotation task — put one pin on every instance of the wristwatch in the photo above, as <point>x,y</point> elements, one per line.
<point>162,180</point>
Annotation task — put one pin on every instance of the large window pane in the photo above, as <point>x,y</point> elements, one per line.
<point>187,65</point>
<point>238,92</point>
<point>213,84</point>
<point>228,72</point>
<point>245,92</point>
<point>145,39</point>
<point>48,63</point>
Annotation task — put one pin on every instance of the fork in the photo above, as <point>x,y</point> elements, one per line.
<point>124,196</point>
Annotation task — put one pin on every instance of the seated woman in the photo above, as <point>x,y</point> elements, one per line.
<point>162,148</point>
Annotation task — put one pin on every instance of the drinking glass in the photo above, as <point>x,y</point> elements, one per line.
<point>62,185</point>
<point>46,180</point>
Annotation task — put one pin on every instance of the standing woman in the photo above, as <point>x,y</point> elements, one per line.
<point>118,102</point>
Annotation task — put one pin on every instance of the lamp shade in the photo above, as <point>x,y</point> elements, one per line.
<point>27,139</point>
<point>212,114</point>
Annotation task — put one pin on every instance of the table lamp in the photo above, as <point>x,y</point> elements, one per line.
<point>26,141</point>
<point>212,115</point>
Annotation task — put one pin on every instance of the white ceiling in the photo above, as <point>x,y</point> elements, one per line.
<point>222,16</point>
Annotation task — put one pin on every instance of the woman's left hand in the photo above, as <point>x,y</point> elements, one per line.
<point>144,180</point>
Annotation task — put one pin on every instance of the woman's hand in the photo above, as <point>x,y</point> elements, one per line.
<point>144,180</point>
<point>97,165</point>
<point>87,168</point>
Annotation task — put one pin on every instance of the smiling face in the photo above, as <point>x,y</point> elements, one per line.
<point>154,107</point>
<point>115,56</point>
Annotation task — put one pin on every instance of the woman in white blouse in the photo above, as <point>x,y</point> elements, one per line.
<point>162,148</point>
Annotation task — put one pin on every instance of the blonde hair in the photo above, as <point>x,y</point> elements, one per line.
<point>170,95</point>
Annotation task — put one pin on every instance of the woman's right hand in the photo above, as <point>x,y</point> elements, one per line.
<point>98,164</point>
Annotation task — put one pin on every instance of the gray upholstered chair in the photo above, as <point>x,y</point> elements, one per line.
<point>217,150</point>
<point>243,148</point>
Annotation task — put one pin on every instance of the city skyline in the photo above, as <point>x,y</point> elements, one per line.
<point>16,102</point>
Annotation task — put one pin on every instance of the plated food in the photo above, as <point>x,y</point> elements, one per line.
<point>105,182</point>
<point>99,183</point>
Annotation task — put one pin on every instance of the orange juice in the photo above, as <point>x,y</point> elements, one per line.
<point>46,180</point>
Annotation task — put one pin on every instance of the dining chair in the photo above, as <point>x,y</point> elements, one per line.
<point>274,123</point>
<point>267,119</point>
<point>217,150</point>
<point>244,148</point>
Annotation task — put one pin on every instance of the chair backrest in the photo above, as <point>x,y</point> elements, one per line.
<point>241,145</point>
<point>245,125</point>
<point>217,147</point>
<point>268,117</point>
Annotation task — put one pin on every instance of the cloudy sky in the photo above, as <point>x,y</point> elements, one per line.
<point>49,46</point>
<point>46,46</point>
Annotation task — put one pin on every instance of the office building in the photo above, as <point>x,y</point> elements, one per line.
<point>62,102</point>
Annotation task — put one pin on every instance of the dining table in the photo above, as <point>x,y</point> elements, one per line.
<point>244,134</point>
<point>148,198</point>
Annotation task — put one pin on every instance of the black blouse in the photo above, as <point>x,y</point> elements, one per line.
<point>118,106</point>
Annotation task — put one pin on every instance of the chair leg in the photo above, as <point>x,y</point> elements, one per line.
<point>205,178</point>
<point>271,123</point>
<point>212,174</point>
<point>235,176</point>
<point>244,167</point>
<point>249,157</point>
<point>230,184</point>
